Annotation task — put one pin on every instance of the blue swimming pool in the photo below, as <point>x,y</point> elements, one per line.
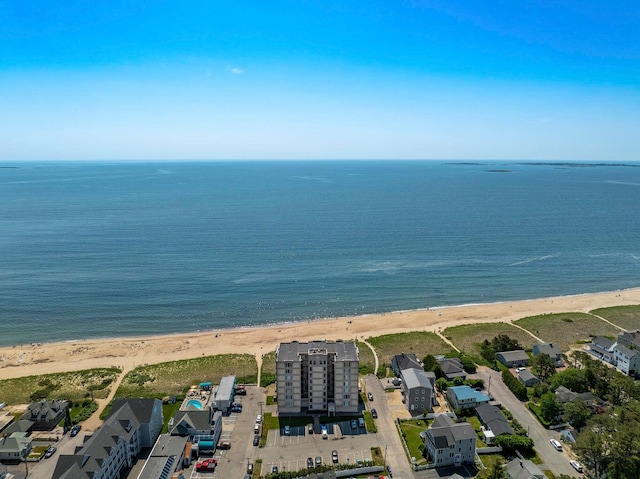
<point>194,403</point>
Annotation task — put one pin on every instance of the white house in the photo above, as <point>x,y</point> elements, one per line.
<point>450,443</point>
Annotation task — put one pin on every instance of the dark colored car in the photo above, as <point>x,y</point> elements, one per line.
<point>274,469</point>
<point>309,463</point>
<point>50,452</point>
<point>334,456</point>
<point>75,430</point>
<point>370,396</point>
<point>374,414</point>
<point>256,439</point>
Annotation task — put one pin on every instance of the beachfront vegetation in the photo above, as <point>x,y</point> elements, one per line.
<point>419,343</point>
<point>175,377</point>
<point>73,386</point>
<point>567,329</point>
<point>468,338</point>
<point>627,317</point>
<point>268,369</point>
<point>411,430</point>
<point>367,359</point>
<point>516,387</point>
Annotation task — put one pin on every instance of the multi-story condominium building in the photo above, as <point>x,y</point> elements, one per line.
<point>317,376</point>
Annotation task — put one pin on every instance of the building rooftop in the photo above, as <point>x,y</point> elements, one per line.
<point>344,350</point>
<point>415,378</point>
<point>517,355</point>
<point>527,375</point>
<point>467,392</point>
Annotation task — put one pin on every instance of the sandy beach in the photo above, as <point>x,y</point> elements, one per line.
<point>41,358</point>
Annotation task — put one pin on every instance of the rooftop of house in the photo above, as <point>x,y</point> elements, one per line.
<point>467,392</point>
<point>415,378</point>
<point>516,355</point>
<point>547,348</point>
<point>527,375</point>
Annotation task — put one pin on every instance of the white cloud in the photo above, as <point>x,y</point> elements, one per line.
<point>235,70</point>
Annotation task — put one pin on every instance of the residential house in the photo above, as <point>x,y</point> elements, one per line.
<point>570,435</point>
<point>527,378</point>
<point>465,397</point>
<point>523,469</point>
<point>513,358</point>
<point>452,368</point>
<point>15,446</point>
<point>404,361</point>
<point>603,348</point>
<point>565,395</point>
<point>224,394</point>
<point>203,428</point>
<point>551,350</point>
<point>450,443</point>
<point>627,360</point>
<point>131,425</point>
<point>47,414</point>
<point>493,421</point>
<point>418,390</point>
<point>630,339</point>
<point>317,377</point>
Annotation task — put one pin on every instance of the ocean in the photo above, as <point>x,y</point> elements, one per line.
<point>91,250</point>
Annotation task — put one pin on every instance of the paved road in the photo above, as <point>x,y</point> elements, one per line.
<point>557,462</point>
<point>387,432</point>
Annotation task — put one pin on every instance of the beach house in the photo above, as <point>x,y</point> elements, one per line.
<point>417,388</point>
<point>404,361</point>
<point>450,443</point>
<point>465,397</point>
<point>513,358</point>
<point>551,350</point>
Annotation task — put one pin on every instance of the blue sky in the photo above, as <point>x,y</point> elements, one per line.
<point>307,79</point>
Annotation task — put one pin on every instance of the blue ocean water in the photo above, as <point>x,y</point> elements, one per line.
<point>103,250</point>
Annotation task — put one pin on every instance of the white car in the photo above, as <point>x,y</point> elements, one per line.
<point>519,370</point>
<point>258,418</point>
<point>556,444</point>
<point>576,465</point>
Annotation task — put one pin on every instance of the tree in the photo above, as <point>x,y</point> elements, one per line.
<point>542,366</point>
<point>576,413</point>
<point>429,362</point>
<point>513,442</point>
<point>502,342</point>
<point>573,379</point>
<point>590,448</point>
<point>442,385</point>
<point>549,407</point>
<point>468,364</point>
<point>458,381</point>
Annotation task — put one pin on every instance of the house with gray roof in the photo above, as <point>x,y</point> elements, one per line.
<point>404,361</point>
<point>527,378</point>
<point>115,445</point>
<point>630,339</point>
<point>491,418</point>
<point>450,443</point>
<point>167,458</point>
<point>224,394</point>
<point>603,348</point>
<point>627,359</point>
<point>513,358</point>
<point>452,368</point>
<point>417,388</point>
<point>15,446</point>
<point>46,415</point>
<point>523,469</point>
<point>551,350</point>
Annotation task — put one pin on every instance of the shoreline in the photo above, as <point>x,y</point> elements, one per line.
<point>128,352</point>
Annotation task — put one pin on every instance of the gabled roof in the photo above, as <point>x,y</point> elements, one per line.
<point>564,395</point>
<point>185,420</point>
<point>445,433</point>
<point>550,349</point>
<point>517,355</point>
<point>603,343</point>
<point>142,408</point>
<point>492,417</point>
<point>451,367</point>
<point>523,469</point>
<point>405,361</point>
<point>527,375</point>
<point>625,350</point>
<point>415,378</point>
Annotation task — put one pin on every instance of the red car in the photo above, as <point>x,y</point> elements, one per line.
<point>207,465</point>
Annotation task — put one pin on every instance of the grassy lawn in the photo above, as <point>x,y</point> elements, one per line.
<point>566,329</point>
<point>377,456</point>
<point>420,343</point>
<point>627,317</point>
<point>468,337</point>
<point>74,386</point>
<point>268,371</point>
<point>175,377</point>
<point>367,360</point>
<point>411,430</point>
<point>369,422</point>
<point>168,410</point>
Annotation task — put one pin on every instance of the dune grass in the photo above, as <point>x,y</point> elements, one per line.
<point>566,329</point>
<point>627,317</point>
<point>268,369</point>
<point>420,343</point>
<point>367,360</point>
<point>73,386</point>
<point>175,377</point>
<point>468,337</point>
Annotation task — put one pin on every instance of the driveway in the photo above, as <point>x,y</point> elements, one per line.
<point>556,461</point>
<point>388,438</point>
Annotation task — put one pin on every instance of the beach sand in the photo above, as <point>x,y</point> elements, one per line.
<point>127,353</point>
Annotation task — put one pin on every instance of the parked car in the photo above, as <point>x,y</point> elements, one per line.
<point>250,468</point>
<point>75,430</point>
<point>396,381</point>
<point>370,396</point>
<point>256,439</point>
<point>556,444</point>
<point>236,407</point>
<point>576,465</point>
<point>309,463</point>
<point>50,452</point>
<point>334,456</point>
<point>389,471</point>
<point>274,469</point>
<point>287,430</point>
<point>318,461</point>
<point>361,422</point>
<point>310,428</point>
<point>325,432</point>
<point>354,424</point>
<point>519,370</point>
<point>374,414</point>
<point>207,465</point>
<point>258,418</point>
